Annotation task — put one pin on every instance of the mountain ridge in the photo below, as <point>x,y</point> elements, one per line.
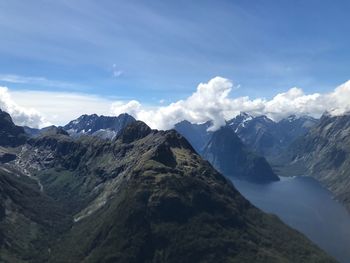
<point>10,134</point>
<point>102,126</point>
<point>145,196</point>
<point>267,137</point>
<point>259,133</point>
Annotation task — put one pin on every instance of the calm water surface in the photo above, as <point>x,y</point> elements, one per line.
<point>305,205</point>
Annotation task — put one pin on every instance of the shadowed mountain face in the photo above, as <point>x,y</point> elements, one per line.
<point>146,196</point>
<point>226,152</point>
<point>260,134</point>
<point>197,134</point>
<point>102,126</point>
<point>268,138</point>
<point>324,153</point>
<point>10,134</point>
<point>29,219</point>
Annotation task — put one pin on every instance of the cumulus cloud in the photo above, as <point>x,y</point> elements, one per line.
<point>132,107</point>
<point>212,101</point>
<point>20,115</point>
<point>209,102</point>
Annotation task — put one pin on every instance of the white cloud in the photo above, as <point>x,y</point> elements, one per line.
<point>208,102</point>
<point>39,81</point>
<point>20,115</point>
<point>61,107</point>
<point>211,101</point>
<point>132,107</point>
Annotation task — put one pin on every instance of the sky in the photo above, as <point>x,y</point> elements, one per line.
<point>62,58</point>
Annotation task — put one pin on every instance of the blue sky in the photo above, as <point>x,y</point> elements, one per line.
<point>163,49</point>
<point>157,52</point>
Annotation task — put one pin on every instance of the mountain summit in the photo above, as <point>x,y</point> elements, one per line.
<point>102,126</point>
<point>10,134</point>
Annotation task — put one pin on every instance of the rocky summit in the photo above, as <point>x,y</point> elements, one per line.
<point>102,126</point>
<point>10,134</point>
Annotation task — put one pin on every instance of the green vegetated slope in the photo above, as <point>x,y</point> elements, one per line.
<point>29,219</point>
<point>144,197</point>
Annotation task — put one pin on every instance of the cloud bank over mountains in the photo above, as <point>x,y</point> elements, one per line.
<point>213,100</point>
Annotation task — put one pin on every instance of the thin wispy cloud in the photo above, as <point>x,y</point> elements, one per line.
<point>116,71</point>
<point>39,81</point>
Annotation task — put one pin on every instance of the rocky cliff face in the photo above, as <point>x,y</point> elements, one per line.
<point>10,134</point>
<point>102,126</point>
<point>267,137</point>
<point>324,153</point>
<point>226,152</point>
<point>197,134</point>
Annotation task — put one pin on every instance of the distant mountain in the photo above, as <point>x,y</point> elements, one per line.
<point>294,127</point>
<point>146,196</point>
<point>197,134</point>
<point>226,152</point>
<point>260,134</point>
<point>268,138</point>
<point>10,134</point>
<point>31,132</point>
<point>102,126</point>
<point>324,153</point>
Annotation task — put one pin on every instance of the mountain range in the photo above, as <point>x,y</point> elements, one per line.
<point>260,134</point>
<point>260,138</point>
<point>144,196</point>
<point>267,137</point>
<point>102,126</point>
<point>106,127</point>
